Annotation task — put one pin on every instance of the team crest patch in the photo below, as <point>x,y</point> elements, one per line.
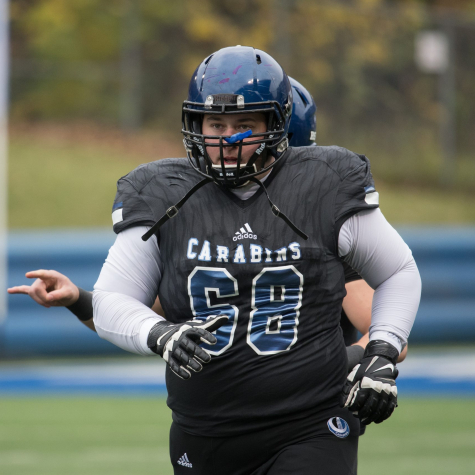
<point>339,427</point>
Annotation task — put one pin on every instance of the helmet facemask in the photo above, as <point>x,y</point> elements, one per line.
<point>272,142</point>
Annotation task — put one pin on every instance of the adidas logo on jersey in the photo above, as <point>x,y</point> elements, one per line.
<point>244,233</point>
<point>184,462</point>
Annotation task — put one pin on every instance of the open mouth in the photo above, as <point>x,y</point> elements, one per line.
<point>230,161</point>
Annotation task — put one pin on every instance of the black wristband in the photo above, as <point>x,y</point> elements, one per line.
<point>355,355</point>
<point>382,348</point>
<point>82,308</point>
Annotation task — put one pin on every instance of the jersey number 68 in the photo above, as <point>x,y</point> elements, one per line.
<point>274,317</point>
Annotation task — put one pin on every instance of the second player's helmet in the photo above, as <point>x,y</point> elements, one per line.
<point>303,125</point>
<point>237,80</point>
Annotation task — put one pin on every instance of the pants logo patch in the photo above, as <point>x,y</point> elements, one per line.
<point>339,427</point>
<point>183,461</point>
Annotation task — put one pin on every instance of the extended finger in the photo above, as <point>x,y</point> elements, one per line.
<point>194,365</point>
<point>181,356</point>
<point>40,274</point>
<point>215,322</point>
<point>199,334</point>
<point>199,353</point>
<point>32,291</point>
<point>47,277</point>
<point>189,346</point>
<point>183,373</point>
<point>19,289</point>
<point>185,360</point>
<point>192,349</point>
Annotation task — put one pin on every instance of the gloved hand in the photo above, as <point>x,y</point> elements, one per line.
<point>370,391</point>
<point>177,343</point>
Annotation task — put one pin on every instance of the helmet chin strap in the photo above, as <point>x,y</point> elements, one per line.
<point>277,212</point>
<point>173,210</point>
<point>237,174</point>
<point>231,172</point>
<point>235,178</point>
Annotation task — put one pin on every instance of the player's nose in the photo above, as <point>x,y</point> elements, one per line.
<point>230,131</point>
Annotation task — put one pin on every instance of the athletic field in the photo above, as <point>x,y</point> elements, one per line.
<point>108,416</point>
<point>89,436</point>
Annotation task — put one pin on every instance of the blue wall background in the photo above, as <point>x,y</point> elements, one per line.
<point>445,256</point>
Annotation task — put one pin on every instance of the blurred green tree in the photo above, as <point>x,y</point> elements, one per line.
<point>356,57</point>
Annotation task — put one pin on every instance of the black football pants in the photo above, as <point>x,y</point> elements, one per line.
<point>304,447</point>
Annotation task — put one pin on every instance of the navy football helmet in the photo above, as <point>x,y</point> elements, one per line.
<point>237,80</point>
<point>303,125</point>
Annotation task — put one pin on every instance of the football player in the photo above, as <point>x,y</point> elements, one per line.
<point>55,289</point>
<point>269,281</point>
<point>206,236</point>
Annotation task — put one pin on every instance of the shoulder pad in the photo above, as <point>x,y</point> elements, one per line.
<point>141,192</point>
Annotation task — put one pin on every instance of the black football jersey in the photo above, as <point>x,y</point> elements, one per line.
<point>282,354</point>
<point>350,333</point>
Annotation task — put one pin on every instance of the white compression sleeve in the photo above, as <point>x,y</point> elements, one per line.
<point>126,289</point>
<point>370,245</point>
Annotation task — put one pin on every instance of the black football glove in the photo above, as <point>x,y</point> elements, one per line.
<point>370,391</point>
<point>177,343</point>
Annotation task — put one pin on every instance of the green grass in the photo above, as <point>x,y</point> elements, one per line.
<point>426,206</point>
<point>424,436</point>
<point>64,178</point>
<point>61,176</point>
<point>84,436</point>
<point>72,436</point>
<point>57,185</point>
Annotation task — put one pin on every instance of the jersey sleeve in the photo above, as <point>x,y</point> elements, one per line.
<point>129,209</point>
<point>356,191</point>
<point>350,274</point>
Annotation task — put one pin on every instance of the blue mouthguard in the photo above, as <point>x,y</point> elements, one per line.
<point>237,137</point>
